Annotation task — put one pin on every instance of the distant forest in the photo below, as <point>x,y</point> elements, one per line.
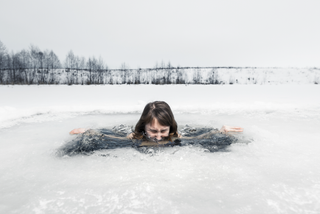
<point>35,66</point>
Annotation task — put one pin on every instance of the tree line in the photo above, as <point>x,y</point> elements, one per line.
<point>27,66</point>
<point>36,66</point>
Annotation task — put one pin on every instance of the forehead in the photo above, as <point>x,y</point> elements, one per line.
<point>156,125</point>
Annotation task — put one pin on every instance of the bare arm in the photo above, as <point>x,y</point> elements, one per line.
<point>224,130</point>
<point>78,131</point>
<point>91,131</point>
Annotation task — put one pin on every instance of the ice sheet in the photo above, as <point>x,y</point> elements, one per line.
<point>276,173</point>
<point>42,103</point>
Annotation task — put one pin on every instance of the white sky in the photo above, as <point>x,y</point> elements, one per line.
<point>188,33</point>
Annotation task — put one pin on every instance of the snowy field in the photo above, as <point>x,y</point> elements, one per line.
<point>278,172</point>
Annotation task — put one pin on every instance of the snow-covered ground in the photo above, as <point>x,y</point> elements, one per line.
<point>39,103</point>
<point>276,173</point>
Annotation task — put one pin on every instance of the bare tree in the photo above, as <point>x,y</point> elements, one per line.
<point>124,69</point>
<point>15,69</point>
<point>92,65</point>
<point>53,63</point>
<point>70,61</point>
<point>82,63</point>
<point>35,60</point>
<point>137,76</point>
<point>82,66</point>
<point>3,54</point>
<point>89,67</point>
<point>100,71</point>
<point>70,64</point>
<point>3,58</point>
<point>77,68</point>
<point>167,76</point>
<point>41,72</point>
<point>25,60</point>
<point>213,77</point>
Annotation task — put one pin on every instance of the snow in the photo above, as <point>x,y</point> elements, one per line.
<point>32,103</point>
<point>276,173</point>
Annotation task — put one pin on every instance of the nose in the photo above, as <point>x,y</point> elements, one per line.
<point>158,136</point>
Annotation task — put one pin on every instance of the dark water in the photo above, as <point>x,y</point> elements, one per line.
<point>100,139</point>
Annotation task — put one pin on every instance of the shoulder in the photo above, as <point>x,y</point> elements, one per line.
<point>134,135</point>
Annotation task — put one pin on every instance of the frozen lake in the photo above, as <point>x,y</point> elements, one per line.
<point>276,173</point>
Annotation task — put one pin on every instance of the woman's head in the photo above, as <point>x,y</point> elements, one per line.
<point>157,121</point>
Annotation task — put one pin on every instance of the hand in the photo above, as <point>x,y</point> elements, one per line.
<point>226,129</point>
<point>78,131</point>
<point>130,136</point>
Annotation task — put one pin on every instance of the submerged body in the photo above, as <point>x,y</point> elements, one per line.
<point>100,139</point>
<point>156,127</point>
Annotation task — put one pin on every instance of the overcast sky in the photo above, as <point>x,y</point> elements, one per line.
<point>186,33</point>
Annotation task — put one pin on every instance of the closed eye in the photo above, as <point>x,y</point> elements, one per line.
<point>155,131</point>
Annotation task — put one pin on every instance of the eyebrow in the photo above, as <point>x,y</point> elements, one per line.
<point>157,130</point>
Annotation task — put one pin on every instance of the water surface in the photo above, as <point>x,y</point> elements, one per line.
<point>276,173</point>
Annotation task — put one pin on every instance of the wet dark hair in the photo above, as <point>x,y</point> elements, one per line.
<point>161,111</point>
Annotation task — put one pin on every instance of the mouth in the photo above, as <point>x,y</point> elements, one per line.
<point>154,139</point>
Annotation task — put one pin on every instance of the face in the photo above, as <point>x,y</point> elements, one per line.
<point>155,130</point>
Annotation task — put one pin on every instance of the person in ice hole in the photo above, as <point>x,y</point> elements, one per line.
<point>155,127</point>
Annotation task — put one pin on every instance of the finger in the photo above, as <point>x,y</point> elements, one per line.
<point>234,127</point>
<point>237,130</point>
<point>76,131</point>
<point>82,130</point>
